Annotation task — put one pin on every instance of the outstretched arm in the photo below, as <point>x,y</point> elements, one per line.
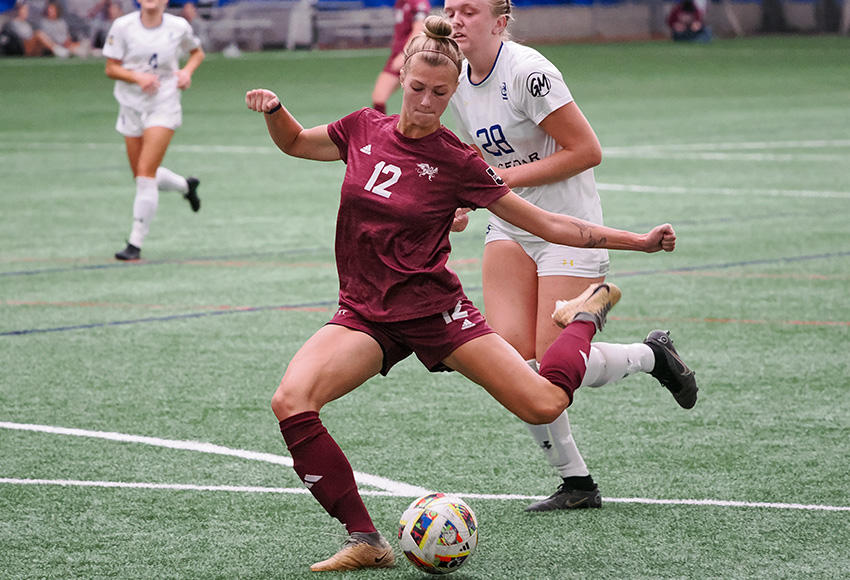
<point>571,231</point>
<point>287,133</point>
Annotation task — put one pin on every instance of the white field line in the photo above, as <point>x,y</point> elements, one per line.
<point>200,447</point>
<point>389,487</point>
<point>246,56</point>
<point>709,151</point>
<point>118,147</point>
<point>476,496</point>
<point>801,193</point>
<point>733,146</point>
<point>733,151</point>
<point>741,157</point>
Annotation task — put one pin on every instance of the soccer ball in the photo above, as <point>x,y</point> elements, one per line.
<point>438,533</point>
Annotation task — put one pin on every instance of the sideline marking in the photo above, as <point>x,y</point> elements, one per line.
<point>363,492</point>
<point>383,483</point>
<point>387,487</point>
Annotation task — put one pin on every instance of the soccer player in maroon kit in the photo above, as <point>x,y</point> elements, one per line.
<point>409,18</point>
<point>406,175</point>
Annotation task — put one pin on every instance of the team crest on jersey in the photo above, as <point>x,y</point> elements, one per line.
<point>538,84</point>
<point>425,170</point>
<point>504,89</point>
<point>495,176</point>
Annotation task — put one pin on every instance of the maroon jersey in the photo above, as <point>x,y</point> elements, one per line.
<point>397,205</point>
<point>406,13</point>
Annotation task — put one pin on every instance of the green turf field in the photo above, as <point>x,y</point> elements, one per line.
<point>136,439</point>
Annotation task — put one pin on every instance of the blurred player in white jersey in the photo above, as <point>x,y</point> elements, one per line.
<point>143,51</point>
<point>515,108</point>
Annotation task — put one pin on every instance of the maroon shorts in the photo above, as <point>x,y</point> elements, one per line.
<point>431,338</point>
<point>388,66</point>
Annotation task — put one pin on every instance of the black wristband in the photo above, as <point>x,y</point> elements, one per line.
<point>274,109</point>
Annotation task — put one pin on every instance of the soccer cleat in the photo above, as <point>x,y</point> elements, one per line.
<point>192,195</point>
<point>129,254</point>
<point>568,499</point>
<point>361,550</point>
<point>593,305</point>
<point>670,370</point>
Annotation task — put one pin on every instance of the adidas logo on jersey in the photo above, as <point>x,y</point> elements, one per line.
<point>367,149</point>
<point>467,324</point>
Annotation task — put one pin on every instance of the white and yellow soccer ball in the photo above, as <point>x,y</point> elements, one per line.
<point>438,533</point>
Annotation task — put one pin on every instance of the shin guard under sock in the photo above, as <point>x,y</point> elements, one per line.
<point>324,469</point>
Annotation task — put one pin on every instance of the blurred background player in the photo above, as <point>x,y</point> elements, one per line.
<point>513,106</point>
<point>142,51</point>
<point>405,177</point>
<point>687,22</point>
<point>409,16</point>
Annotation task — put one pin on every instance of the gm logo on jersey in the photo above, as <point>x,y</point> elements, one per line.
<point>537,84</point>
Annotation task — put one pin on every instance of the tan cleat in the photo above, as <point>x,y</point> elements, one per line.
<point>592,305</point>
<point>361,550</point>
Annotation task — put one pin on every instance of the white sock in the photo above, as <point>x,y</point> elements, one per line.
<point>609,363</point>
<point>144,208</point>
<point>167,180</point>
<point>556,441</point>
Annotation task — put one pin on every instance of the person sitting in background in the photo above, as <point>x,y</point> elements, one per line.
<point>687,23</point>
<point>54,25</point>
<point>33,42</point>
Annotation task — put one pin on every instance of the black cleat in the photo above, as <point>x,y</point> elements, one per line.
<point>670,370</point>
<point>129,254</point>
<point>192,195</point>
<point>568,499</point>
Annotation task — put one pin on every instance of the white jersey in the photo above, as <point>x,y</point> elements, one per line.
<point>501,114</point>
<point>150,50</point>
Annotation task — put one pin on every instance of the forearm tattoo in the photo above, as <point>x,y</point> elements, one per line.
<point>589,240</point>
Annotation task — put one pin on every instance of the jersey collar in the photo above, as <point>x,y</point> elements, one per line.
<point>492,68</point>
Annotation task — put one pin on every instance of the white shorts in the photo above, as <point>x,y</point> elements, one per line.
<point>133,122</point>
<point>555,260</point>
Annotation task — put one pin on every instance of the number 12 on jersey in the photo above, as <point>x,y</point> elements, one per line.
<point>382,188</point>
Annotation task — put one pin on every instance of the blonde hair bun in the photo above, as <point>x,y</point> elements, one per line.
<point>437,27</point>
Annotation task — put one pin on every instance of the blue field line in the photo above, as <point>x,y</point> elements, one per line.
<point>790,259</point>
<point>167,318</point>
<point>299,251</point>
<point>332,302</point>
<point>141,263</point>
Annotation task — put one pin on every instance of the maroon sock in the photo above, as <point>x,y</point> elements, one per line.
<point>381,108</point>
<point>324,469</point>
<point>565,363</point>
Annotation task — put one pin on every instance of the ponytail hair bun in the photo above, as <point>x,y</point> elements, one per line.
<point>435,44</point>
<point>437,27</point>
